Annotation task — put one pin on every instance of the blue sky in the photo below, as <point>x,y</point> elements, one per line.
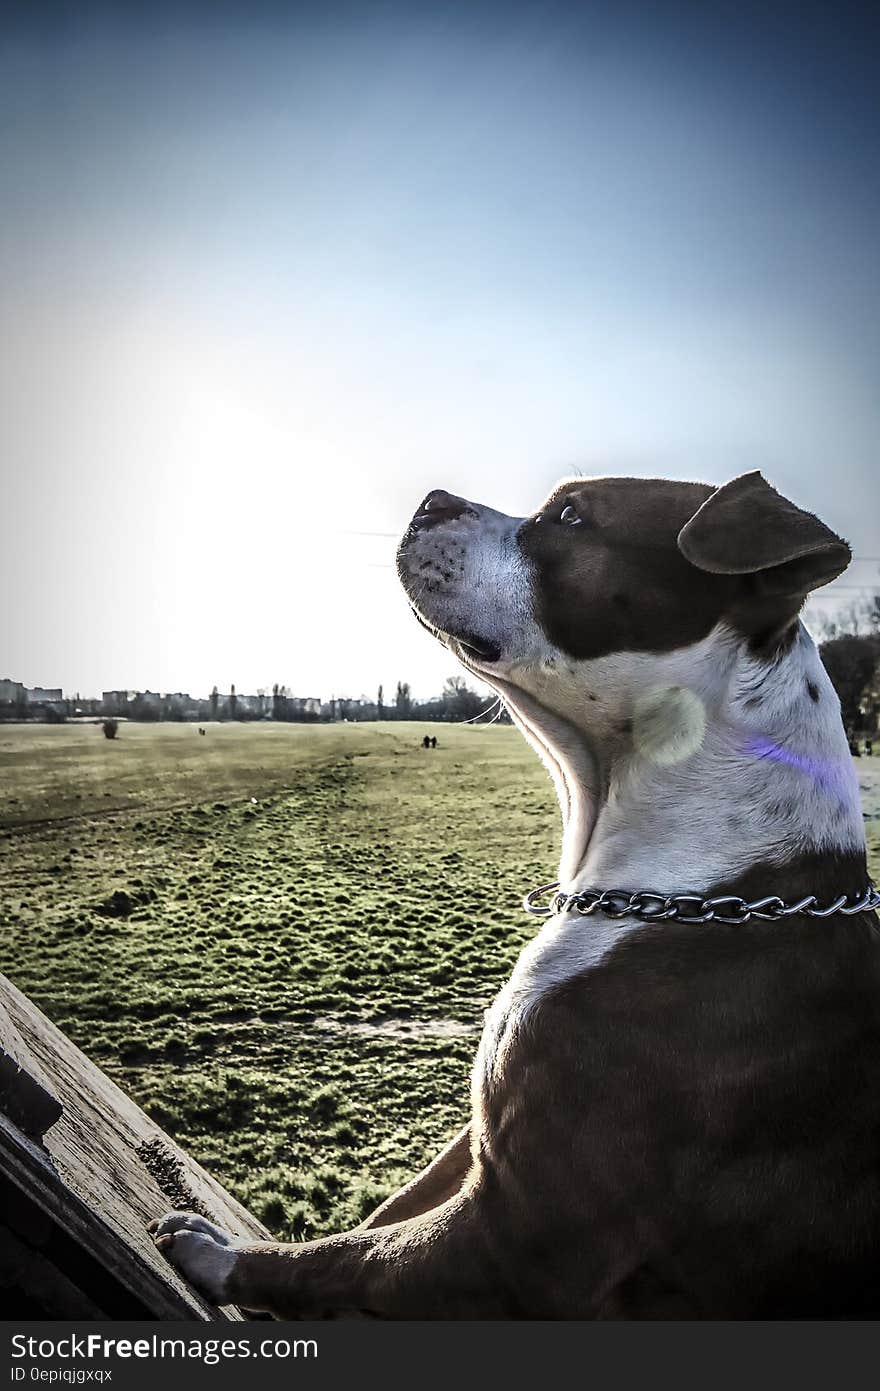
<point>271,273</point>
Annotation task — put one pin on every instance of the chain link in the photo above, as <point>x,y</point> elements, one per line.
<point>692,908</point>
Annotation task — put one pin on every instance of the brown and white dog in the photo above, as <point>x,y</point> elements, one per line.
<point>669,1119</point>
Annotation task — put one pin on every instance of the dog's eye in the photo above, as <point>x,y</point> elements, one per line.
<point>569,517</point>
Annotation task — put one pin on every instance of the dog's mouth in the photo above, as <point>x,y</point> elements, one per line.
<point>475,648</point>
<point>479,649</point>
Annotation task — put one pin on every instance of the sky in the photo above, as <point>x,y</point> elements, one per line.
<point>270,273</point>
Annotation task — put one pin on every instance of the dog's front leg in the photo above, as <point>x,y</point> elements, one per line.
<point>441,1180</point>
<point>437,1266</point>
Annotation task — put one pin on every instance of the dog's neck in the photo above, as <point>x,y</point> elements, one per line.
<point>687,769</point>
<point>696,770</point>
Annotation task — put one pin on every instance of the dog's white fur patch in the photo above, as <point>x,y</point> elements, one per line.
<point>203,1252</point>
<point>669,724</point>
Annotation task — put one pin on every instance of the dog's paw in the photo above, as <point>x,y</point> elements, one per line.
<point>201,1251</point>
<point>189,1222</point>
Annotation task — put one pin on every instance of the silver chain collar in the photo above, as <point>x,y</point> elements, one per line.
<point>692,908</point>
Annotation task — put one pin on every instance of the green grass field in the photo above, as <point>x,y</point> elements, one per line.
<point>278,938</point>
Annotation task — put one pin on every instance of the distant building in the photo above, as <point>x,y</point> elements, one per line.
<point>179,705</point>
<point>43,695</point>
<point>253,704</point>
<point>345,708</point>
<point>309,706</point>
<point>11,692</point>
<point>116,702</point>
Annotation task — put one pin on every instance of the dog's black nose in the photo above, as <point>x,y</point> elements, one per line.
<point>440,506</point>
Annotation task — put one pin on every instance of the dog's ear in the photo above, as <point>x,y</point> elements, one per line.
<point>747,528</point>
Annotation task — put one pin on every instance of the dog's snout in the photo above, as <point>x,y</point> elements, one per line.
<point>440,506</point>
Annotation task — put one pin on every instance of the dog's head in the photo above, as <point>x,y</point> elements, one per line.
<point>577,612</point>
<point>613,565</point>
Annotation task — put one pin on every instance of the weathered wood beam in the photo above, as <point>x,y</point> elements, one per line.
<point>101,1169</point>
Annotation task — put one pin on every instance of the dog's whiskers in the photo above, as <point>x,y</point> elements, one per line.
<point>478,718</point>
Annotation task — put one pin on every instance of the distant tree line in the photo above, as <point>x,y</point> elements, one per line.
<point>851,654</point>
<point>456,702</point>
<point>849,647</point>
<point>852,660</point>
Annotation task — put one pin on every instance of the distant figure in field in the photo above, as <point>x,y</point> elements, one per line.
<point>869,748</point>
<point>426,743</point>
<point>110,729</point>
<point>433,741</point>
<point>201,731</point>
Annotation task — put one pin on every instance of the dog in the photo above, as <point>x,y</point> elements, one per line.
<point>675,1099</point>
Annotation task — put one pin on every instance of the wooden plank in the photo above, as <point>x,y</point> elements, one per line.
<point>105,1169</point>
<point>31,1106</point>
<point>25,1090</point>
<point>28,1167</point>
